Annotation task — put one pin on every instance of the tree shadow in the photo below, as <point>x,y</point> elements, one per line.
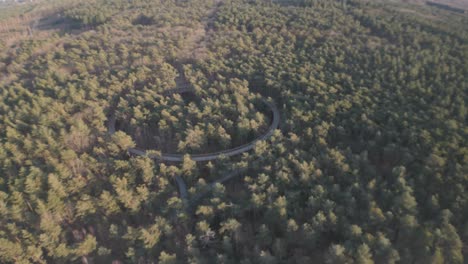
<point>58,23</point>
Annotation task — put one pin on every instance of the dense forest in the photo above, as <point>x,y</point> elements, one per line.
<point>369,162</point>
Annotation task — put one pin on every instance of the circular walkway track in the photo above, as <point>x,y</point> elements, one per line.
<point>207,156</point>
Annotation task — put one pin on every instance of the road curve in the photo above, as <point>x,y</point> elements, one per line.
<point>207,156</point>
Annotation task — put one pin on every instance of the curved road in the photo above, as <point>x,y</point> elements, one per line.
<point>201,157</point>
<point>182,88</point>
<point>207,156</point>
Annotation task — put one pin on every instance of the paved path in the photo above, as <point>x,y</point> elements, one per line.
<point>205,191</point>
<point>201,157</point>
<point>182,187</point>
<point>206,156</point>
<point>184,87</point>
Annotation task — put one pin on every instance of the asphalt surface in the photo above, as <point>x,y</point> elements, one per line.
<point>201,157</point>
<point>206,156</point>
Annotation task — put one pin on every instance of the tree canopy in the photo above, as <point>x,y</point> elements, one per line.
<point>368,165</point>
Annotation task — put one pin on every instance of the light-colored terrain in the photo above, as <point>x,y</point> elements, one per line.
<point>462,4</point>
